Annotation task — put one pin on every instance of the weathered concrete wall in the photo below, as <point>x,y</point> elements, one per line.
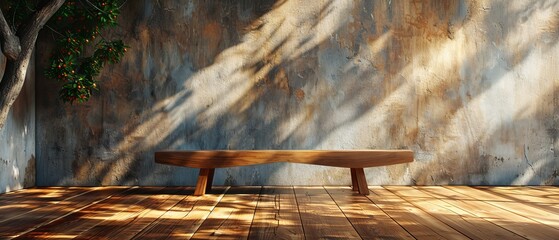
<point>470,86</point>
<point>17,138</point>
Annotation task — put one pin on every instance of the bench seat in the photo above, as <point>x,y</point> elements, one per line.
<point>356,160</point>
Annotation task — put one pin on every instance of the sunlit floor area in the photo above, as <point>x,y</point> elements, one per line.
<point>282,212</point>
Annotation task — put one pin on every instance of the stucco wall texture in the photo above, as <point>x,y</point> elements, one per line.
<point>17,137</point>
<point>470,86</point>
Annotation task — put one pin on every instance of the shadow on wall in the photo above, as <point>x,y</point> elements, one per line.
<point>447,79</point>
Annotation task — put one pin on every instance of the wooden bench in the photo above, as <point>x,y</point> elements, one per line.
<point>356,160</point>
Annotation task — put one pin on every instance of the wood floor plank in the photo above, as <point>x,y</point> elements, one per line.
<point>201,210</point>
<point>233,215</point>
<point>277,215</point>
<point>321,217</point>
<point>136,217</point>
<point>521,209</point>
<point>161,228</point>
<point>366,217</point>
<point>183,219</point>
<point>42,216</point>
<point>30,193</point>
<point>34,199</point>
<point>144,220</point>
<point>554,189</point>
<point>393,212</point>
<point>417,222</point>
<point>548,192</point>
<point>536,198</point>
<point>515,223</point>
<point>522,194</point>
<point>72,225</point>
<point>466,223</point>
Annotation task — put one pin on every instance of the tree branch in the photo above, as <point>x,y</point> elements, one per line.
<point>29,30</point>
<point>16,69</point>
<point>9,41</point>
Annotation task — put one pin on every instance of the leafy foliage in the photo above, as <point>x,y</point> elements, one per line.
<point>81,51</point>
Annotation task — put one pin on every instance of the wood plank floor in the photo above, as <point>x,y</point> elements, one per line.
<point>281,212</point>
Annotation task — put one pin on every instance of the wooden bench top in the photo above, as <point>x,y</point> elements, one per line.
<point>334,158</point>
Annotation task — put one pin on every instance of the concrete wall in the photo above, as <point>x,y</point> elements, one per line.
<point>17,138</point>
<point>470,86</point>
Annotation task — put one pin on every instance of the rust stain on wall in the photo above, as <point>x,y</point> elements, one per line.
<point>30,172</point>
<point>299,94</point>
<point>211,35</point>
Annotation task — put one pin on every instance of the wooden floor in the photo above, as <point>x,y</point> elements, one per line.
<point>390,212</point>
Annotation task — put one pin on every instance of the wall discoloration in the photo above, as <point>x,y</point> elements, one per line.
<point>470,86</point>
<point>17,138</point>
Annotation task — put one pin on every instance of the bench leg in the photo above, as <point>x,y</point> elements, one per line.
<point>353,180</point>
<point>210,179</point>
<point>203,179</point>
<point>360,182</point>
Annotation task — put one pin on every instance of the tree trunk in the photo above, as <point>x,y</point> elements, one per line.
<point>14,74</point>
